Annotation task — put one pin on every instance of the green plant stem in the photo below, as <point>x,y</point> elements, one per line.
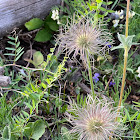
<point>90,74</point>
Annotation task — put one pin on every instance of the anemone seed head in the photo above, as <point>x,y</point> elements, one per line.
<point>95,121</point>
<point>79,37</point>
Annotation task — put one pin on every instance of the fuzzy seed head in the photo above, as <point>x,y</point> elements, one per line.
<point>79,37</point>
<point>95,121</point>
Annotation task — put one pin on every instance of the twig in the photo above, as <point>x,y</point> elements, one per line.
<point>28,68</point>
<point>30,54</point>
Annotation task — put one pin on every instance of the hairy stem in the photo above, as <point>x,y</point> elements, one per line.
<point>124,75</point>
<point>125,58</point>
<point>90,74</point>
<point>127,18</point>
<point>125,61</point>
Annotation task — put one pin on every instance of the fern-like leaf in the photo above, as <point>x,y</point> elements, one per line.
<point>17,51</point>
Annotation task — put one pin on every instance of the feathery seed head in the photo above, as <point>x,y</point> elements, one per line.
<point>95,121</point>
<point>79,37</point>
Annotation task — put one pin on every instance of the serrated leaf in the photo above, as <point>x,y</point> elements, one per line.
<point>38,129</point>
<point>34,23</point>
<point>43,35</point>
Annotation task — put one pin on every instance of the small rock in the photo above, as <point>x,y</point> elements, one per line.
<point>1,70</point>
<point>4,81</point>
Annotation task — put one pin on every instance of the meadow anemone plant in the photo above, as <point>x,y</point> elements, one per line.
<point>81,36</point>
<point>85,39</point>
<point>94,121</point>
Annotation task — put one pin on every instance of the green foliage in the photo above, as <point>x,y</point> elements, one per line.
<point>134,23</point>
<point>80,9</point>
<point>6,133</point>
<point>126,42</point>
<point>132,117</point>
<point>50,23</point>
<point>17,51</point>
<point>38,58</point>
<point>34,23</point>
<point>43,35</point>
<point>65,135</point>
<point>43,88</point>
<point>132,65</point>
<point>30,97</point>
<point>35,129</point>
<point>1,62</point>
<point>47,28</point>
<point>81,101</point>
<point>5,116</point>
